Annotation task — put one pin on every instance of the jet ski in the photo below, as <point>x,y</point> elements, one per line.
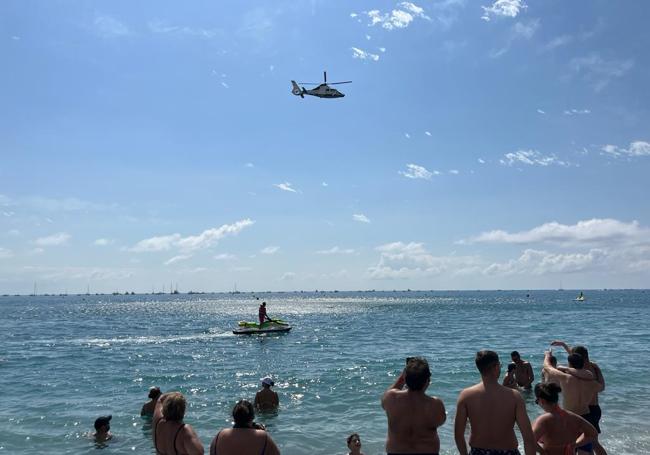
<point>273,326</point>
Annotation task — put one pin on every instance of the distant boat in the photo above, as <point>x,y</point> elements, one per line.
<point>580,298</point>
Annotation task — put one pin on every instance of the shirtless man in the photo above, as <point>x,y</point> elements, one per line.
<point>266,399</point>
<point>492,410</point>
<point>149,406</point>
<point>594,407</point>
<point>578,389</point>
<point>523,371</point>
<point>413,416</point>
<point>102,429</point>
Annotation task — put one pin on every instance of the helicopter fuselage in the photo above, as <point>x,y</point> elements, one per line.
<point>324,91</point>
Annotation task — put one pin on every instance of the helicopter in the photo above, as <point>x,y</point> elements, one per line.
<point>322,91</point>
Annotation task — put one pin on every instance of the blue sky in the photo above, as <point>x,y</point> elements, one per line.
<point>481,144</point>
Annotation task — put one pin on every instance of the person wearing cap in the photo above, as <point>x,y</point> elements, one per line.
<point>266,399</point>
<point>102,429</point>
<point>149,406</point>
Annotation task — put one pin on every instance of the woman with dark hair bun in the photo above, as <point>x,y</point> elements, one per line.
<point>560,432</point>
<point>245,437</point>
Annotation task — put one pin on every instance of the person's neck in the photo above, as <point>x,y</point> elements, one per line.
<point>489,380</point>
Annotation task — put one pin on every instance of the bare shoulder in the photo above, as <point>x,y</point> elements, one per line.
<point>469,392</point>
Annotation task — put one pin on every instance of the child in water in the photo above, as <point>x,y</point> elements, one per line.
<point>354,444</point>
<point>509,379</point>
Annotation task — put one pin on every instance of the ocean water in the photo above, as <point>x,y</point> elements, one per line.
<point>66,360</point>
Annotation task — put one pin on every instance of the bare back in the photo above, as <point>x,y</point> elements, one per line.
<point>243,441</point>
<point>557,432</point>
<point>413,421</point>
<point>492,414</point>
<point>174,438</point>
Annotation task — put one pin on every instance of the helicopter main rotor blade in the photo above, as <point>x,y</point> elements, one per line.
<point>336,83</point>
<point>310,83</point>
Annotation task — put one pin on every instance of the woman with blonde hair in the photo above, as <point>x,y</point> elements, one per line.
<point>171,436</point>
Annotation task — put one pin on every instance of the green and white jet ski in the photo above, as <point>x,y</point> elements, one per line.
<point>273,326</point>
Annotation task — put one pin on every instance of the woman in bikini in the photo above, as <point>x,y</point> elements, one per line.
<point>171,436</point>
<point>245,437</point>
<point>558,431</point>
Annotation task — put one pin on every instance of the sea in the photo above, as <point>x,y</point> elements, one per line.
<point>65,360</point>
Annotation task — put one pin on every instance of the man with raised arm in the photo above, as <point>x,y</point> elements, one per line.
<point>492,410</point>
<point>413,416</point>
<point>594,407</point>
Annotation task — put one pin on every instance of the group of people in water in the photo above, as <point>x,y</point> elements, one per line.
<point>491,408</point>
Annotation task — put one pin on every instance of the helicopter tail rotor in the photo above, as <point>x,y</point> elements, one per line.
<point>296,90</point>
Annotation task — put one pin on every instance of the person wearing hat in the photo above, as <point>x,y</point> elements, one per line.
<point>102,429</point>
<point>149,406</point>
<point>266,399</point>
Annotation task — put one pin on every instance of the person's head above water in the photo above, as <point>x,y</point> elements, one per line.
<point>487,363</point>
<point>154,392</point>
<point>354,441</point>
<point>514,355</point>
<point>511,367</point>
<point>103,423</point>
<point>173,408</point>
<point>267,382</point>
<point>243,413</point>
<point>417,373</point>
<point>582,351</point>
<point>576,361</point>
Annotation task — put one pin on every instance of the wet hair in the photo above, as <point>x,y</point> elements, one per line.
<point>173,408</point>
<point>243,413</point>
<point>548,392</point>
<point>154,392</point>
<point>576,361</point>
<point>582,351</point>
<point>352,436</point>
<point>511,367</point>
<point>514,354</point>
<point>553,360</point>
<point>485,360</point>
<point>417,373</point>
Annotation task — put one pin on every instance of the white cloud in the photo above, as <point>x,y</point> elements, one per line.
<point>399,18</point>
<point>577,112</point>
<point>363,55</point>
<point>518,31</point>
<point>270,250</point>
<point>286,186</point>
<point>382,49</point>
<point>535,262</point>
<point>454,171</point>
<point>6,201</point>
<point>249,165</point>
<point>15,38</point>
<point>481,160</point>
<point>531,158</point>
<point>539,111</point>
<point>225,257</point>
<point>35,251</point>
<point>427,133</point>
<point>414,171</point>
<point>286,276</point>
<point>598,71</point>
<point>108,27</point>
<point>102,242</point>
<point>503,8</point>
<point>336,250</point>
<point>324,184</point>
<point>636,148</point>
<point>205,239</point>
<point>399,260</point>
<point>224,85</point>
<point>596,231</point>
<point>5,253</point>
<point>360,217</point>
<point>158,26</point>
<point>60,238</point>
<point>556,42</point>
<point>407,135</point>
<point>179,258</point>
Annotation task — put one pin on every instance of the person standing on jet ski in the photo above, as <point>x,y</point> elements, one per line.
<point>262,314</point>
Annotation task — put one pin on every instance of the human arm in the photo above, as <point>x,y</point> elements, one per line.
<point>460,423</point>
<point>589,433</point>
<point>580,374</point>
<point>539,431</point>
<point>599,375</point>
<point>271,447</point>
<point>440,413</point>
<point>276,399</point>
<point>531,373</point>
<point>191,442</point>
<point>256,403</point>
<point>552,373</point>
<point>523,422</point>
<point>562,344</point>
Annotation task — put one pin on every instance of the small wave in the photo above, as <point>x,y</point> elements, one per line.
<point>103,342</point>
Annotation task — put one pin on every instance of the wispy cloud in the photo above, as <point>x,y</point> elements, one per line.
<point>206,239</point>
<point>286,276</point>
<point>539,262</point>
<point>179,258</point>
<point>336,250</point>
<point>399,18</point>
<point>596,231</point>
<point>161,27</point>
<point>503,8</point>
<point>558,41</point>
<point>361,218</point>
<point>531,158</point>
<point>598,71</point>
<point>102,242</point>
<point>249,165</point>
<point>414,171</point>
<point>109,27</point>
<point>481,161</point>
<point>57,239</point>
<point>577,112</point>
<point>635,149</point>
<point>363,55</point>
<point>539,111</point>
<point>400,260</point>
<point>286,186</point>
<point>517,32</point>
<point>225,257</point>
<point>270,250</point>
<point>454,171</point>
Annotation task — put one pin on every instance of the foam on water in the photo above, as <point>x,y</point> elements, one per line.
<point>65,361</point>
